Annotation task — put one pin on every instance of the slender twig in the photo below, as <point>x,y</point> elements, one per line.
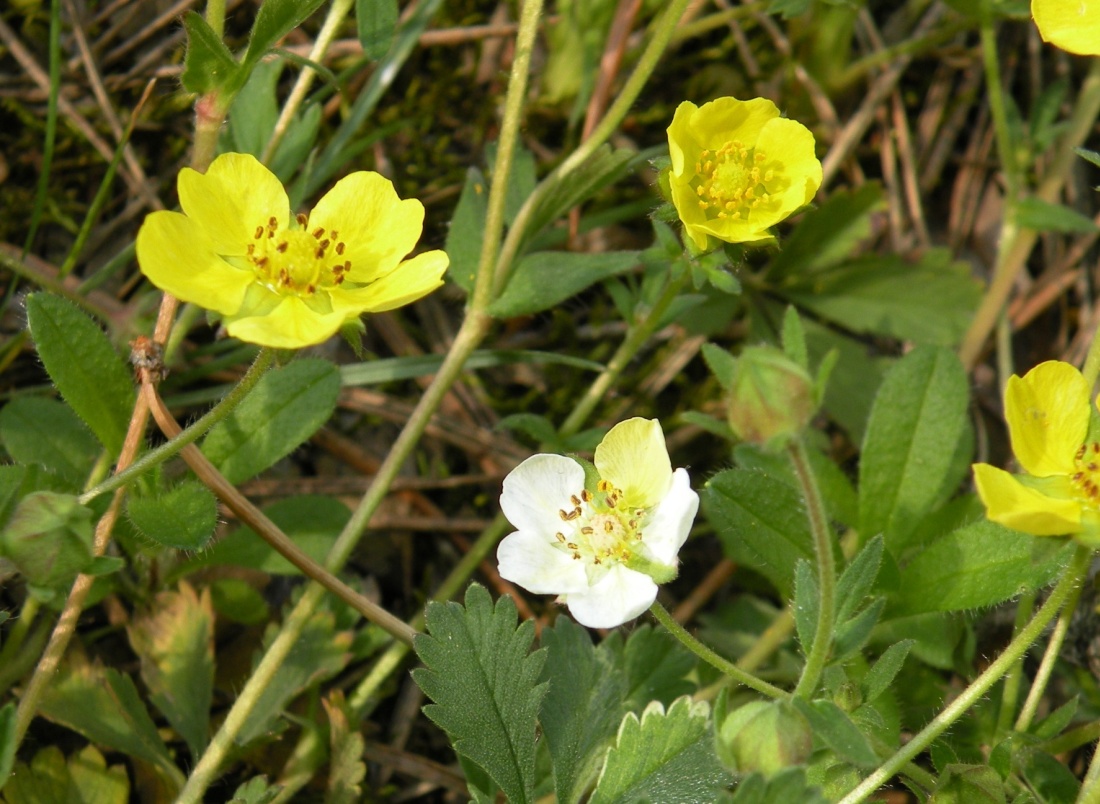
<point>1046,666</point>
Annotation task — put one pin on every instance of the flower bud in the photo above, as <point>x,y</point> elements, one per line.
<point>771,397</point>
<point>969,784</point>
<point>764,737</point>
<point>848,696</point>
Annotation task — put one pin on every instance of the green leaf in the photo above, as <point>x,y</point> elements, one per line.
<point>174,639</point>
<point>286,407</point>
<point>346,768</point>
<point>321,651</point>
<point>880,676</point>
<point>833,727</point>
<point>274,20</point>
<point>873,296</point>
<point>83,365</point>
<point>255,791</point>
<point>49,540</point>
<point>103,705</point>
<point>208,66</point>
<point>312,521</point>
<point>761,523</point>
<point>853,634</point>
<point>1043,216</point>
<point>789,785</point>
<point>1054,723</point>
<point>602,168</point>
<point>919,416</point>
<point>482,680</point>
<point>84,779</point>
<point>402,368</point>
<point>255,110</point>
<point>1051,780</point>
<point>657,667</point>
<point>667,757</point>
<point>858,578</point>
<point>184,517</point>
<point>829,234</point>
<point>978,565</point>
<point>376,21</point>
<point>48,433</point>
<point>805,604</point>
<point>583,707</point>
<point>467,231</point>
<point>721,363</point>
<point>547,278</point>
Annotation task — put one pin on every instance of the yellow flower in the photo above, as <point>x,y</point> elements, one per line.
<point>738,168</point>
<point>1072,25</point>
<point>281,280</point>
<point>1048,421</point>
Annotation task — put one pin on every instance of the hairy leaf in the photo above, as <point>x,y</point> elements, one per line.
<point>48,433</point>
<point>547,278</point>
<point>376,21</point>
<point>183,517</point>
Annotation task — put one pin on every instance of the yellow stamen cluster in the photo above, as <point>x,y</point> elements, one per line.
<point>601,531</point>
<point>731,181</point>
<point>1087,477</point>
<point>295,260</point>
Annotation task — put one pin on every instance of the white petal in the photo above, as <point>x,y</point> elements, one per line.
<point>620,596</point>
<point>536,490</point>
<point>668,529</point>
<point>530,560</point>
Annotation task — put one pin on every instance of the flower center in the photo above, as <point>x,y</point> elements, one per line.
<point>598,529</point>
<point>1086,480</point>
<point>297,260</point>
<point>731,181</point>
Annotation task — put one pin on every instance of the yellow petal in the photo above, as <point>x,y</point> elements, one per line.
<point>291,325</point>
<point>727,119</point>
<point>179,257</point>
<point>410,281</point>
<point>377,228</point>
<point>1072,25</point>
<point>682,146</point>
<point>233,197</point>
<point>1014,505</point>
<point>791,146</point>
<point>634,459</point>
<point>1048,417</point>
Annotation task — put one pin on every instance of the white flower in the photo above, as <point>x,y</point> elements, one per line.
<point>602,550</point>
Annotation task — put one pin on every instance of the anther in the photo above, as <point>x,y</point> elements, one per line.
<point>281,248</point>
<point>301,218</point>
<point>259,232</point>
<point>573,498</point>
<point>560,537</point>
<point>339,246</point>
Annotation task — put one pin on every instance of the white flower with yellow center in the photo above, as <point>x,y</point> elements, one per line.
<point>602,550</point>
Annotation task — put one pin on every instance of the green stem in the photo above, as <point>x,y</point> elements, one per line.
<point>192,434</point>
<point>710,657</point>
<point>14,643</point>
<point>1092,361</point>
<point>636,337</point>
<point>1075,572</point>
<point>664,28</point>
<point>1025,607</point>
<point>1090,787</point>
<point>1046,666</point>
<point>826,570</point>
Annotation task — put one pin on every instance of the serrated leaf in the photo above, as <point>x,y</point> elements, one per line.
<point>1044,216</point>
<point>320,652</point>
<point>880,676</point>
<point>761,523</point>
<point>376,21</point>
<point>657,667</point>
<point>583,707</point>
<point>833,727</point>
<point>84,779</point>
<point>829,234</point>
<point>975,566</point>
<point>918,418</point>
<point>667,757</point>
<point>208,66</point>
<point>467,231</point>
<point>174,640</point>
<point>255,791</point>
<point>103,705</point>
<point>346,768</point>
<point>313,521</point>
<point>48,433</point>
<point>873,296</point>
<point>543,280</point>
<point>183,517</point>
<point>858,578</point>
<point>84,366</point>
<point>482,680</point>
<point>286,407</point>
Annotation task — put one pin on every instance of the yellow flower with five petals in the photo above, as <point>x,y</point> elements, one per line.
<point>1048,415</point>
<point>281,280</point>
<point>1072,25</point>
<point>738,168</point>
